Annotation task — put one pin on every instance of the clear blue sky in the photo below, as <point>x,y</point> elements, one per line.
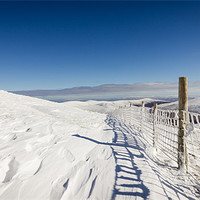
<point>54,45</point>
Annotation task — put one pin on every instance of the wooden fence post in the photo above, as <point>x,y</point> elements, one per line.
<point>155,136</point>
<point>142,115</point>
<point>143,104</point>
<point>183,106</point>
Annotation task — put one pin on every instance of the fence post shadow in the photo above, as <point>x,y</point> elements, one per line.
<point>125,148</point>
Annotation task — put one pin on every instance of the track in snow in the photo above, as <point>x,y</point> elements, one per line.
<point>128,182</point>
<point>137,177</point>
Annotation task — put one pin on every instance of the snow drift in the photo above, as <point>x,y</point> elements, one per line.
<point>75,151</point>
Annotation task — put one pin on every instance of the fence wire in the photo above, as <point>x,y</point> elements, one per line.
<point>167,132</point>
<point>160,130</point>
<point>192,142</point>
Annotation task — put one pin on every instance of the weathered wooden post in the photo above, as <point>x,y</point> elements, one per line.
<point>183,106</point>
<point>155,136</point>
<point>143,104</point>
<point>131,104</point>
<point>125,114</point>
<point>142,115</point>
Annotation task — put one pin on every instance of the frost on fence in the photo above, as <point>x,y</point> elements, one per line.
<point>192,142</point>
<point>144,120</point>
<point>147,124</point>
<point>167,122</point>
<point>160,129</point>
<point>129,115</point>
<point>140,118</point>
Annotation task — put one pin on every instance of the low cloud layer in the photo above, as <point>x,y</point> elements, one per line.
<point>110,91</point>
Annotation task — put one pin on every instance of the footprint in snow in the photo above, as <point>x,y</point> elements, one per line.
<point>79,180</point>
<point>58,188</point>
<point>66,154</point>
<point>10,137</point>
<point>28,129</point>
<point>8,168</point>
<point>29,168</point>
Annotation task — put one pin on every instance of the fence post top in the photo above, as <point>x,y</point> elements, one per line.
<point>143,103</point>
<point>182,78</point>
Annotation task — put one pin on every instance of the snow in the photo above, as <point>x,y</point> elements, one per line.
<point>74,150</point>
<point>193,105</point>
<point>108,106</point>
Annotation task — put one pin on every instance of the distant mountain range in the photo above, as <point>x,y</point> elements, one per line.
<point>109,91</point>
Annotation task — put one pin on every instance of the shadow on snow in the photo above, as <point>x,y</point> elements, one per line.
<point>125,149</point>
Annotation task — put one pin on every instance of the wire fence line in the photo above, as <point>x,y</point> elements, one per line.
<point>159,128</point>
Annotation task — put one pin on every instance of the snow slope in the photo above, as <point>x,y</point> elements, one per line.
<point>108,106</point>
<point>193,105</point>
<point>74,151</point>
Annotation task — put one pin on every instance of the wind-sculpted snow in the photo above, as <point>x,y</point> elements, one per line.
<point>74,151</point>
<point>9,168</point>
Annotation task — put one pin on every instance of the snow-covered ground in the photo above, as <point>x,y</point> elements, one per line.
<point>193,105</point>
<point>74,150</point>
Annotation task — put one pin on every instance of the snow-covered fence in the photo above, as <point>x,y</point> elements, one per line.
<point>191,123</point>
<point>160,130</point>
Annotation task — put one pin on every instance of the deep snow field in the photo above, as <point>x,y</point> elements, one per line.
<point>74,150</point>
